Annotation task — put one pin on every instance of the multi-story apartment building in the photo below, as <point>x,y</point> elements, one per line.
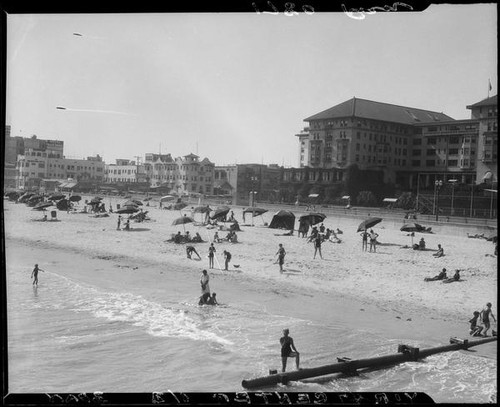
<point>250,183</point>
<point>182,175</point>
<point>485,113</point>
<point>35,167</point>
<point>125,171</point>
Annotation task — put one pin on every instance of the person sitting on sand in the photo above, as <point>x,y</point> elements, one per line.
<point>440,276</point>
<point>212,300</point>
<point>456,277</point>
<point>440,252</point>
<point>187,236</point>
<point>178,237</point>
<point>190,250</point>
<point>421,244</point>
<point>233,238</point>
<point>475,329</point>
<point>216,237</point>
<point>339,232</point>
<point>197,238</point>
<point>127,224</point>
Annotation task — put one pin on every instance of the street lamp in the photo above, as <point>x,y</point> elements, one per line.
<point>453,183</point>
<point>438,184</point>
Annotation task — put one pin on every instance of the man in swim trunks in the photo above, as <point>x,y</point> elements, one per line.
<point>288,350</point>
<point>34,274</point>
<point>317,246</point>
<point>211,255</point>
<point>281,256</point>
<point>190,250</point>
<point>205,288</point>
<point>485,317</point>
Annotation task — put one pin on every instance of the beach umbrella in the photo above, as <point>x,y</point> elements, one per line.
<point>41,206</point>
<point>56,197</point>
<point>75,198</point>
<point>33,200</point>
<point>137,202</point>
<point>167,198</point>
<point>97,198</point>
<point>219,212</point>
<point>368,223</point>
<point>313,218</point>
<point>182,220</point>
<point>24,197</point>
<point>255,211</point>
<point>130,203</point>
<point>202,209</point>
<point>179,205</point>
<point>147,199</point>
<point>127,209</point>
<point>412,227</point>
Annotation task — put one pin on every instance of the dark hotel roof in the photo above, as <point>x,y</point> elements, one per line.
<point>368,109</point>
<point>485,102</point>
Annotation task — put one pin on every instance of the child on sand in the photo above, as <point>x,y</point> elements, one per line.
<point>440,252</point>
<point>281,256</point>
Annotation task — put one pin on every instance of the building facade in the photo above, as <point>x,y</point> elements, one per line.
<point>251,183</point>
<point>182,175</point>
<point>485,113</point>
<point>410,146</point>
<point>125,171</point>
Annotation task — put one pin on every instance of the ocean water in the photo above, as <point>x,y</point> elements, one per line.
<point>65,336</point>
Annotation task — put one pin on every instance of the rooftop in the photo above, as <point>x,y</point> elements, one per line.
<point>491,101</point>
<point>368,109</point>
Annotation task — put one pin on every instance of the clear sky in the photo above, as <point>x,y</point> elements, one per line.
<point>234,87</point>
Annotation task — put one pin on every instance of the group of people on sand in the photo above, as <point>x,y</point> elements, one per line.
<point>186,238</point>
<point>369,236</point>
<point>484,317</point>
<point>444,278</point>
<point>120,220</point>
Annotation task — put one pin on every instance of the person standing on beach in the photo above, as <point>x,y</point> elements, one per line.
<point>364,237</point>
<point>317,246</point>
<point>288,350</point>
<point>205,287</point>
<point>119,222</point>
<point>485,317</point>
<point>211,255</point>
<point>34,274</point>
<point>281,256</point>
<point>373,241</point>
<point>227,258</point>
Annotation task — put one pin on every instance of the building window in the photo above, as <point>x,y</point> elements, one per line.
<point>417,141</point>
<point>453,151</point>
<point>431,140</point>
<point>416,153</point>
<point>415,163</point>
<point>430,163</point>
<point>452,163</point>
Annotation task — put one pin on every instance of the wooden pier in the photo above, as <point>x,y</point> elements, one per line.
<point>348,366</point>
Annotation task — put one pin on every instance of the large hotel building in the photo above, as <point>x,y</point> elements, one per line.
<point>402,142</point>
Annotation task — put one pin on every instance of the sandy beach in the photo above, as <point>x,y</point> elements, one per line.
<point>381,294</point>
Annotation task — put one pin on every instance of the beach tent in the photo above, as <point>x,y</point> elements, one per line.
<point>220,212</point>
<point>167,198</point>
<point>63,204</point>
<point>283,220</point>
<point>56,197</point>
<point>42,206</point>
<point>413,227</point>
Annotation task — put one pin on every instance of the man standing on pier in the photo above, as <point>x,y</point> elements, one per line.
<point>288,349</point>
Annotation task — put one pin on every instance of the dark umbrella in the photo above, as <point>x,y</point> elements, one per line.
<point>127,209</point>
<point>56,197</point>
<point>255,211</point>
<point>313,218</point>
<point>412,227</point>
<point>220,212</point>
<point>130,203</point>
<point>179,205</point>
<point>95,200</point>
<point>24,197</point>
<point>368,223</point>
<point>202,209</point>
<point>182,220</point>
<point>137,202</point>
<point>41,206</point>
<point>75,198</point>
<point>32,201</point>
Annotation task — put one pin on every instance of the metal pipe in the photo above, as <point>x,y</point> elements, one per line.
<point>351,366</point>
